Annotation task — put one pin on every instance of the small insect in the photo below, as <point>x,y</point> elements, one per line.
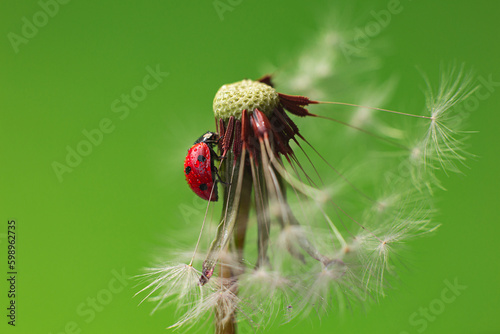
<point>200,169</point>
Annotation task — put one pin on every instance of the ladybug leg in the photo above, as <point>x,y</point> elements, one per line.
<point>216,156</point>
<point>219,179</point>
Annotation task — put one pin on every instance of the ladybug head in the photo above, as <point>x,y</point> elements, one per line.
<point>208,138</point>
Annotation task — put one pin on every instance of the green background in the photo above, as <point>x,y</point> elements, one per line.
<point>121,205</point>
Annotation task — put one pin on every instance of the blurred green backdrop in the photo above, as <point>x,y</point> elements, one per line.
<point>79,234</point>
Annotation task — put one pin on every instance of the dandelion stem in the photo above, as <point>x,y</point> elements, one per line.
<point>225,323</point>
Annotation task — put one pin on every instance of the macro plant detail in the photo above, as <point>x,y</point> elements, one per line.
<point>288,244</point>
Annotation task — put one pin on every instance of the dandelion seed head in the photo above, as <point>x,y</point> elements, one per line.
<point>384,246</point>
<point>232,99</point>
<point>444,142</point>
<point>171,283</point>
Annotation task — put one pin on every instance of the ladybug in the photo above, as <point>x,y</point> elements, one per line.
<point>200,169</point>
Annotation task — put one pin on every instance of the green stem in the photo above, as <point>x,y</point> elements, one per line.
<point>223,323</point>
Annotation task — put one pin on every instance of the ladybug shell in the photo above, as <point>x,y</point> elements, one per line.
<point>199,171</point>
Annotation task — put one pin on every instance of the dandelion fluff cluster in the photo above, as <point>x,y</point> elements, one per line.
<point>289,244</point>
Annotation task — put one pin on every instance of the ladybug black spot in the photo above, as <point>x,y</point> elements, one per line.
<point>187,170</point>
<point>201,158</point>
<point>203,187</point>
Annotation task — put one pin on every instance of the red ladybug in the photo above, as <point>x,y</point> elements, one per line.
<point>200,169</point>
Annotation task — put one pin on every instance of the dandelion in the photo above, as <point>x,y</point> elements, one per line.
<point>314,248</point>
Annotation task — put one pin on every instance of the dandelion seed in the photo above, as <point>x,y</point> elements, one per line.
<point>444,142</point>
